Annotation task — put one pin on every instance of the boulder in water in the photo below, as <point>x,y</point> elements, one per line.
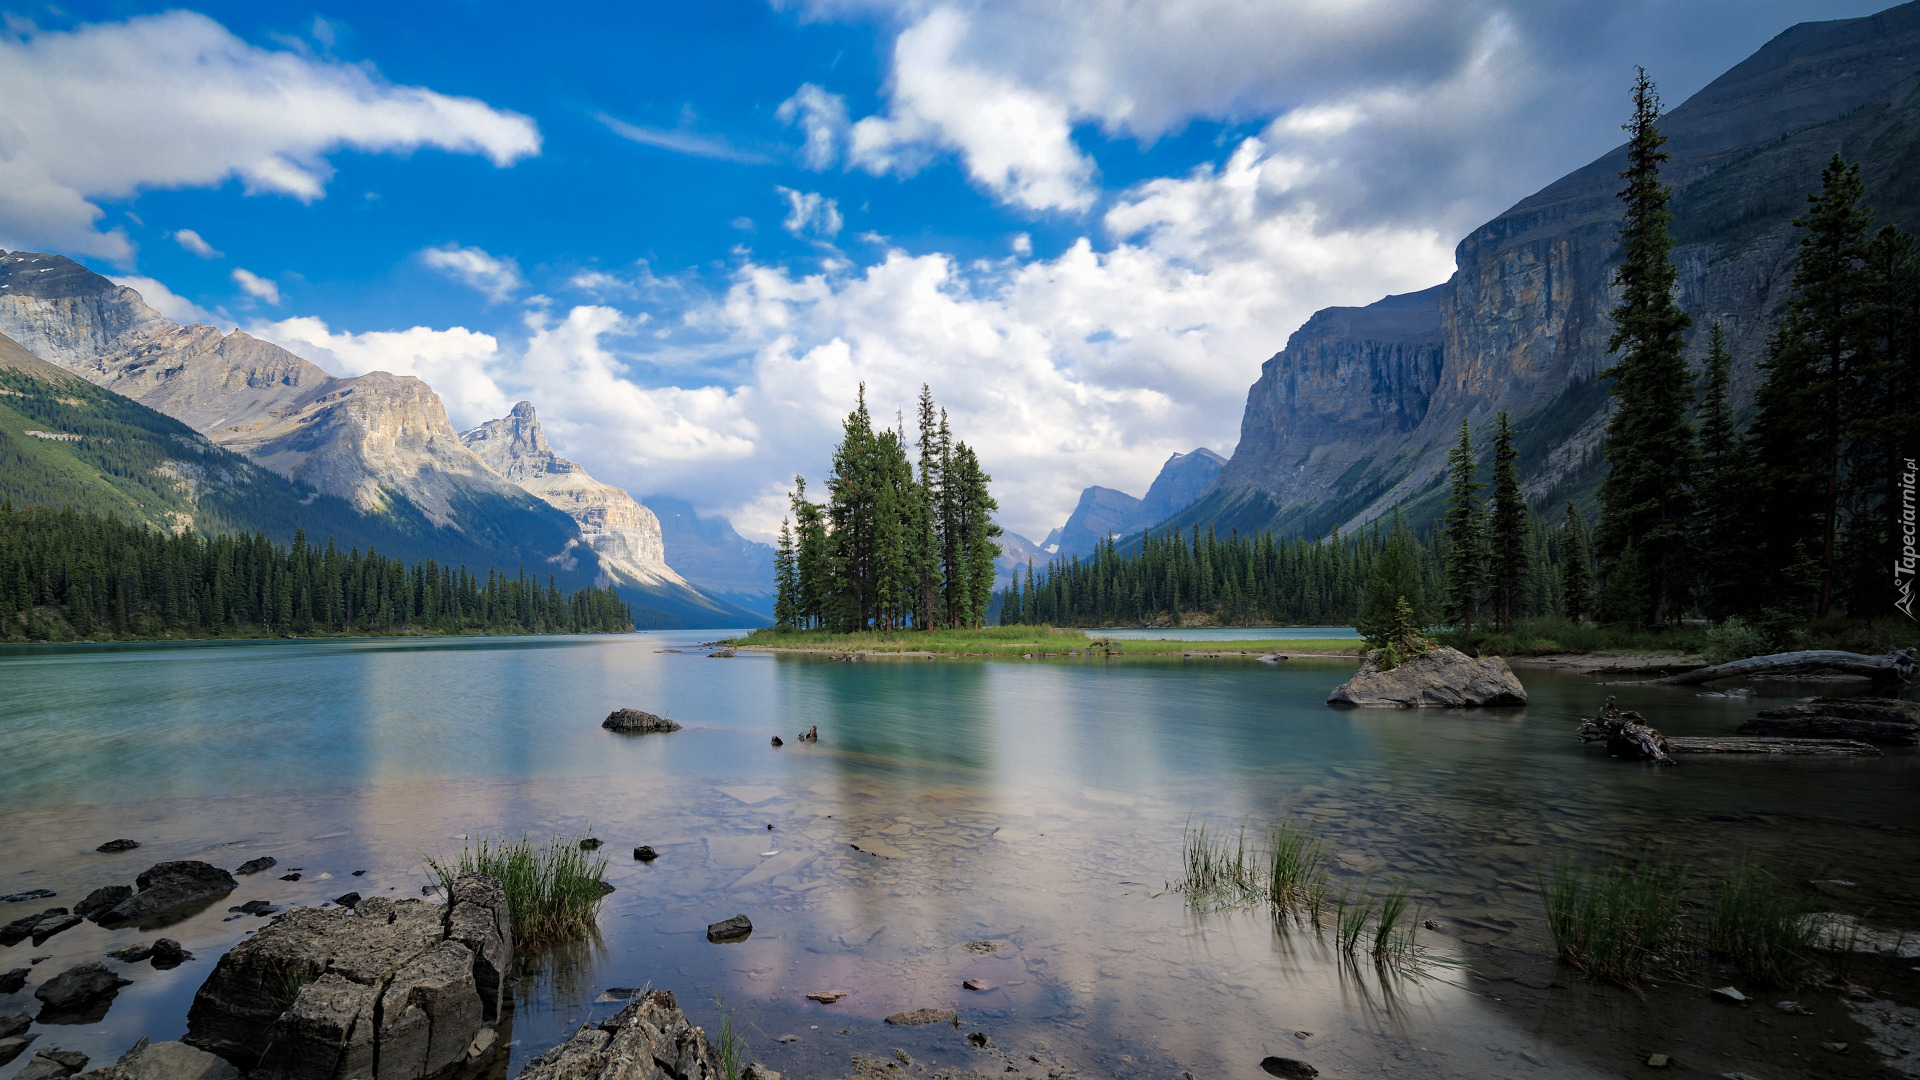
<point>169,887</point>
<point>738,928</point>
<point>79,987</point>
<point>101,900</point>
<point>630,1045</point>
<point>635,720</point>
<point>1442,677</point>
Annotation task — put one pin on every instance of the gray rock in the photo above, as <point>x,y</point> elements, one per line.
<point>14,1024</point>
<point>20,929</point>
<point>1288,1068</point>
<point>645,853</point>
<point>320,993</point>
<point>123,844</point>
<point>132,954</point>
<point>254,866</point>
<point>738,928</point>
<point>30,894</point>
<point>12,1045</point>
<point>777,742</point>
<point>168,889</point>
<point>168,953</point>
<point>650,1039</point>
<point>100,900</point>
<point>54,924</point>
<point>722,654</point>
<point>1442,678</point>
<point>635,720</point>
<point>166,1061</point>
<point>12,981</point>
<point>920,1017</point>
<point>756,1071</point>
<point>79,987</point>
<point>52,1063</point>
<point>347,900</point>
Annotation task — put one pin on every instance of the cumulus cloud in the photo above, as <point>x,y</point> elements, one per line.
<point>811,214</point>
<point>175,100</point>
<point>256,286</point>
<point>172,304</point>
<point>822,118</point>
<point>458,363</point>
<point>495,277</point>
<point>193,242</point>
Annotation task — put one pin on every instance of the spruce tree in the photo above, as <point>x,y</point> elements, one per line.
<point>1393,580</point>
<point>1883,430</point>
<point>1465,550</point>
<point>1719,542</point>
<point>1799,427</point>
<point>786,611</point>
<point>1646,501</point>
<point>926,522</point>
<point>1576,577</point>
<point>1508,524</point>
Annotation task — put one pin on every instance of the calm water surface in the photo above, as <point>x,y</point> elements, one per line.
<point>1035,804</point>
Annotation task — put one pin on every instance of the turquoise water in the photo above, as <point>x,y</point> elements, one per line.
<point>1229,633</point>
<point>1036,804</point>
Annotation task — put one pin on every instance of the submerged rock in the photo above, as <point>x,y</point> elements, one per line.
<point>12,981</point>
<point>1288,1068</point>
<point>738,928</point>
<point>100,900</point>
<point>30,894</point>
<point>52,1063</point>
<point>122,844</point>
<point>52,925</point>
<point>131,954</point>
<point>79,987</point>
<point>650,1039</point>
<point>166,1061</point>
<point>14,1024</point>
<point>12,1045</point>
<point>167,888</point>
<point>635,720</point>
<point>1443,677</point>
<point>645,853</point>
<point>919,1017</point>
<point>254,866</point>
<point>320,993</point>
<point>168,953</point>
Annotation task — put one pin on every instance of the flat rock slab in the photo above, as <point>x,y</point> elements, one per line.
<point>79,987</point>
<point>102,900</point>
<point>167,889</point>
<point>1739,744</point>
<point>122,844</point>
<point>637,721</point>
<point>30,894</point>
<point>650,1039</point>
<point>14,1024</point>
<point>920,1017</point>
<point>13,1045</point>
<point>826,997</point>
<point>20,929</point>
<point>738,928</point>
<point>254,866</point>
<point>52,1063</point>
<point>12,981</point>
<point>1442,678</point>
<point>167,1061</point>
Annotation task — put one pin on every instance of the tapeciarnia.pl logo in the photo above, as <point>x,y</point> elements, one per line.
<point>1903,567</point>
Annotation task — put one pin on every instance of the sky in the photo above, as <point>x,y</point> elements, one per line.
<point>688,232</point>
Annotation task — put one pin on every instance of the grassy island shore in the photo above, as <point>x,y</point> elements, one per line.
<point>1031,642</point>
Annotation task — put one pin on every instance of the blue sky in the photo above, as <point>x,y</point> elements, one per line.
<point>687,231</point>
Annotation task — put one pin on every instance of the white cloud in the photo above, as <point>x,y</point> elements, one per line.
<point>811,214</point>
<point>256,286</point>
<point>174,100</point>
<point>458,363</point>
<point>683,140</point>
<point>171,304</point>
<point>822,117</point>
<point>193,242</point>
<point>495,277</point>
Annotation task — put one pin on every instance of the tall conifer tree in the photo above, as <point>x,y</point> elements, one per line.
<point>1464,532</point>
<point>1720,511</point>
<point>1507,527</point>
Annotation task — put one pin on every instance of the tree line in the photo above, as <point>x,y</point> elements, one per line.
<point>890,548</point>
<point>65,573</point>
<point>1799,515</point>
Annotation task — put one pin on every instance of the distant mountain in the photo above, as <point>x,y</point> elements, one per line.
<point>1356,413</point>
<point>624,535</point>
<point>1016,552</point>
<point>1104,512</point>
<point>707,552</point>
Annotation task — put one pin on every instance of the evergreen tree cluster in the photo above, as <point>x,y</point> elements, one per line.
<point>893,547</point>
<point>1260,580</point>
<point>1799,516</point>
<point>67,572</point>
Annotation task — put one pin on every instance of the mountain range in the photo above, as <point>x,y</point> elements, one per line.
<point>370,458</point>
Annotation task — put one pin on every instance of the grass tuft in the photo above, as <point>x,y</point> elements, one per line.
<point>731,1047</point>
<point>1296,870</point>
<point>553,891</point>
<point>1762,928</point>
<point>1617,923</point>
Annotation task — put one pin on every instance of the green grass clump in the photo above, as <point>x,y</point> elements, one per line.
<point>1762,928</point>
<point>1220,871</point>
<point>553,892</point>
<point>1296,870</point>
<point>1350,918</point>
<point>730,1046</point>
<point>1617,923</point>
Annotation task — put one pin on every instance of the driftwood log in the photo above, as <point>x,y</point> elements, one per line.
<point>1896,666</point>
<point>1886,721</point>
<point>1626,734</point>
<point>1741,744</point>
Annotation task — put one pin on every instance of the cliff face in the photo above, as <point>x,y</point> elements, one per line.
<point>380,442</point>
<point>1355,415</point>
<point>625,534</point>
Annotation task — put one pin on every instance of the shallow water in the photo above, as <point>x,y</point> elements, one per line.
<point>1035,804</point>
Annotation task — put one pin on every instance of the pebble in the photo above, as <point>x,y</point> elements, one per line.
<point>826,997</point>
<point>1657,1061</point>
<point>1288,1068</point>
<point>977,984</point>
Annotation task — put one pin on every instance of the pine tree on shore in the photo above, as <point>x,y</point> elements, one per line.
<point>1646,501</point>
<point>786,613</point>
<point>1720,509</point>
<point>1883,410</point>
<point>1465,540</point>
<point>1576,576</point>
<point>1508,523</point>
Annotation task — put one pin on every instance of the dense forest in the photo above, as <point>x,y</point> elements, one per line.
<point>1803,513</point>
<point>65,574</point>
<point>890,549</point>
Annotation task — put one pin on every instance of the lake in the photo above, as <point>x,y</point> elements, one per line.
<point>1038,805</point>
